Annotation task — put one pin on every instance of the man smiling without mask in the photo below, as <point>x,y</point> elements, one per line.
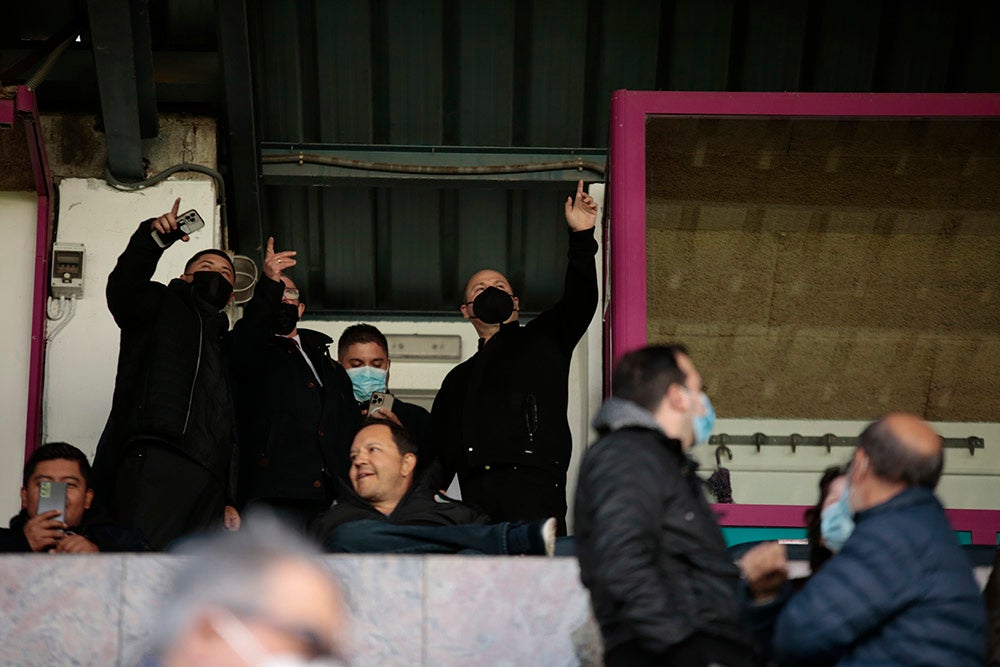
<point>499,421</point>
<point>166,460</point>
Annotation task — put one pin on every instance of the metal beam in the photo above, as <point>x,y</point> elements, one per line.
<point>142,48</point>
<point>240,141</point>
<point>114,60</point>
<point>328,164</point>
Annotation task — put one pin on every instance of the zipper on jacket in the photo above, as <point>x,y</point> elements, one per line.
<point>197,367</point>
<point>530,418</point>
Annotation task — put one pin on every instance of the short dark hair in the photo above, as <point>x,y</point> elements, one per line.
<point>400,436</point>
<point>893,460</point>
<point>209,251</point>
<point>361,333</point>
<point>51,451</point>
<point>643,376</point>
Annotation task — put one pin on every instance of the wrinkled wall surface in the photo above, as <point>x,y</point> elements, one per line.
<point>825,269</point>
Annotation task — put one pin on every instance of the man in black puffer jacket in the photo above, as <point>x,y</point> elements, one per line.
<point>166,462</point>
<point>662,586</point>
<point>391,508</point>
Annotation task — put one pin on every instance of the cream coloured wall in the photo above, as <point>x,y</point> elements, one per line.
<point>18,212</point>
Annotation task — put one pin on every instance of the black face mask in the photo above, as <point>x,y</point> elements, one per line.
<point>212,288</point>
<point>285,319</point>
<point>493,306</point>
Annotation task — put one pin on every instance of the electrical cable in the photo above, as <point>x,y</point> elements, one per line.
<point>446,170</point>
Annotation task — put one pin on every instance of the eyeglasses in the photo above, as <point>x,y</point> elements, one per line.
<point>314,647</point>
<point>291,294</point>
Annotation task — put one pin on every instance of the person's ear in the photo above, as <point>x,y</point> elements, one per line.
<point>465,312</point>
<point>88,498</point>
<point>409,463</point>
<point>302,309</point>
<point>186,277</point>
<point>24,498</point>
<point>677,398</point>
<point>517,305</point>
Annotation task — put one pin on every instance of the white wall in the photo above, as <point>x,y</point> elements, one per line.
<point>82,358</point>
<point>778,476</point>
<point>18,211</point>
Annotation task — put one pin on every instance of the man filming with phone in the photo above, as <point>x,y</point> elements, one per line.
<point>166,461</point>
<point>61,473</point>
<point>294,405</point>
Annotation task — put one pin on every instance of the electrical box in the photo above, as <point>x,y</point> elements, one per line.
<point>67,269</point>
<point>423,347</point>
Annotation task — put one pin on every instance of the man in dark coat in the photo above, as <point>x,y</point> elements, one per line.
<point>662,585</point>
<point>81,527</point>
<point>295,410</point>
<point>499,420</point>
<point>166,462</point>
<point>390,507</point>
<point>363,351</point>
<point>899,590</point>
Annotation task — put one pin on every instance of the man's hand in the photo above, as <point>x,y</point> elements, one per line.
<point>167,222</point>
<point>387,415</point>
<point>43,532</point>
<point>581,211</point>
<point>766,570</point>
<point>75,544</point>
<point>276,262</point>
<point>231,520</point>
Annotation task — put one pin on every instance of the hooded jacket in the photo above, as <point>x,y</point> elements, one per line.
<point>96,527</point>
<point>172,384</point>
<point>649,548</point>
<point>421,506</point>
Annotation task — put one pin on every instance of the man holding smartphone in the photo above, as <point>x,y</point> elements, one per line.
<point>294,405</point>
<point>166,461</point>
<point>75,526</point>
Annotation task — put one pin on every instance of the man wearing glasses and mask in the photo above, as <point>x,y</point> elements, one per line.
<point>295,407</point>
<point>499,421</point>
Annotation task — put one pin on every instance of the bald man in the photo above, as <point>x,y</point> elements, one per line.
<point>499,420</point>
<point>899,590</point>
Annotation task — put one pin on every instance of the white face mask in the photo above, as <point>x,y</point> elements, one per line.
<point>245,644</point>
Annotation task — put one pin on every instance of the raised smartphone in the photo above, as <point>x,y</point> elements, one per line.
<point>188,223</point>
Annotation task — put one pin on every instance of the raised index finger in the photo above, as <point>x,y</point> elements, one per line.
<point>579,189</point>
<point>270,246</point>
<point>177,203</point>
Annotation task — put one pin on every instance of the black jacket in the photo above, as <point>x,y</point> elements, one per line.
<point>96,527</point>
<point>650,550</point>
<point>421,506</point>
<point>171,385</point>
<point>507,404</point>
<point>295,433</point>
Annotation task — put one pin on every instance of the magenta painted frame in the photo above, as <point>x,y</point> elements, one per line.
<point>625,326</point>
<point>625,322</point>
<point>26,109</point>
<point>982,524</point>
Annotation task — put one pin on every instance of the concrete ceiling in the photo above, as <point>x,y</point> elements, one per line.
<point>829,269</point>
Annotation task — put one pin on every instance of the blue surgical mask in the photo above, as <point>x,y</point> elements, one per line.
<point>837,522</point>
<point>366,380</point>
<point>703,424</point>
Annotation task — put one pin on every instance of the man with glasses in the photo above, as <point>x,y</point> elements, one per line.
<point>295,407</point>
<point>663,588</point>
<point>256,597</point>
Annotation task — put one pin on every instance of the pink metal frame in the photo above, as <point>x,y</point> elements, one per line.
<point>24,108</point>
<point>625,321</point>
<point>982,524</point>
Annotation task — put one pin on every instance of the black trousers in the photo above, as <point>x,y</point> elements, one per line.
<point>698,650</point>
<point>516,493</point>
<point>166,495</point>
